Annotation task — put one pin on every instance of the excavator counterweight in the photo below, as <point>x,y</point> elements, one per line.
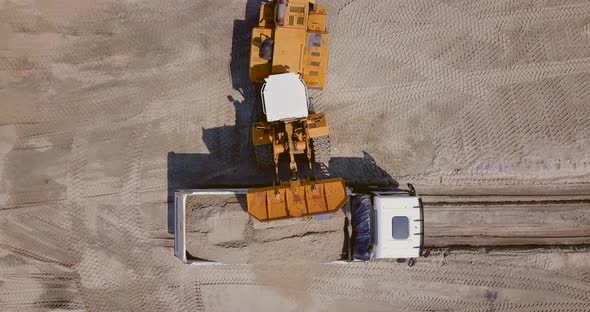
<point>291,37</point>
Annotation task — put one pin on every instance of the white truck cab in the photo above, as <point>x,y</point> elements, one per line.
<point>386,225</point>
<point>397,227</point>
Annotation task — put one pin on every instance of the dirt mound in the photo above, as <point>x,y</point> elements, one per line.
<point>219,229</point>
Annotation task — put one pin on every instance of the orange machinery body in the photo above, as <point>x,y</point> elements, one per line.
<point>300,44</point>
<point>295,31</point>
<point>297,197</point>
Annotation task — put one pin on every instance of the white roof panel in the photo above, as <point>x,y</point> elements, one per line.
<point>391,211</point>
<point>284,96</point>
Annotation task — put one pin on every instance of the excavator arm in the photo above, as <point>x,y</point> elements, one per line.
<point>296,197</point>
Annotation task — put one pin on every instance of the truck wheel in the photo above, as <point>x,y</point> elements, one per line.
<point>321,150</point>
<point>264,155</point>
<point>411,262</point>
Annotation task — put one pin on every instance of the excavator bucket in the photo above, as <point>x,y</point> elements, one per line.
<point>286,201</point>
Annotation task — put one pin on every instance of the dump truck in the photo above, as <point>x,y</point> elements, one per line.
<point>289,52</point>
<point>385,223</point>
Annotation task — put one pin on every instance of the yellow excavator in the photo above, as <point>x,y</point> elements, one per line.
<point>289,53</point>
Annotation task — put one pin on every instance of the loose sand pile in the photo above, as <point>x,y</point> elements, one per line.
<point>219,229</point>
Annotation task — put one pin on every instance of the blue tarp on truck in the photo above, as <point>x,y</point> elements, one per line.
<point>361,227</point>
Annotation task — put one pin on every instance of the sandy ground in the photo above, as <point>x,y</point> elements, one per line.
<point>523,221</point>
<point>94,95</point>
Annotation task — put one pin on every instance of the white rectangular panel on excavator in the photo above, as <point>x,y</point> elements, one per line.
<point>284,97</point>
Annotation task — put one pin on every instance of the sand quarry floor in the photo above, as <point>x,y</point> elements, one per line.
<point>106,106</point>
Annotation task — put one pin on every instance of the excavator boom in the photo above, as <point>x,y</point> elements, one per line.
<point>296,197</point>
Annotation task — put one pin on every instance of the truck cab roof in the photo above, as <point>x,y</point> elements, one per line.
<point>398,226</point>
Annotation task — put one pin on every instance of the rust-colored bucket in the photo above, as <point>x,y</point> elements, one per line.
<point>287,201</point>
